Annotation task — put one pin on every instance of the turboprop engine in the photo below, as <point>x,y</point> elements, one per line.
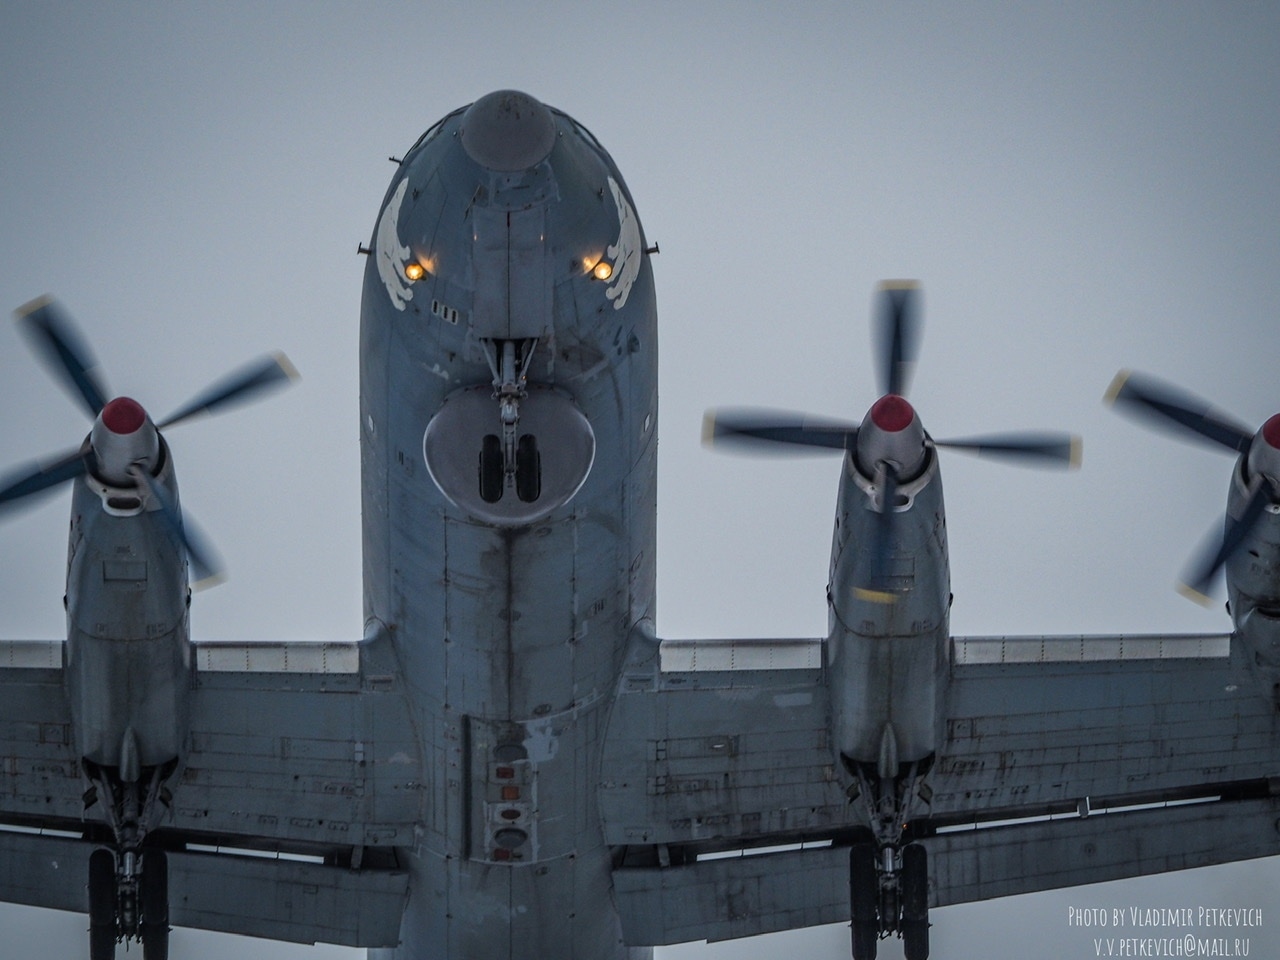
<point>889,591</point>
<point>128,654</point>
<point>1248,545</point>
<point>889,600</point>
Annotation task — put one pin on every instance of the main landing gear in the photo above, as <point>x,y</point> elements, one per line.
<point>889,894</point>
<point>128,900</point>
<point>129,883</point>
<point>889,878</point>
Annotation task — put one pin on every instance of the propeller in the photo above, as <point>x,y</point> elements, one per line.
<point>890,440</point>
<point>123,445</point>
<point>1176,410</point>
<point>1188,416</point>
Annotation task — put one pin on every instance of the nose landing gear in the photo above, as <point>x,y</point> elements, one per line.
<point>511,458</point>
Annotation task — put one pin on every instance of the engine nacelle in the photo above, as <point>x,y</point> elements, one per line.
<point>128,655</point>
<point>887,660</point>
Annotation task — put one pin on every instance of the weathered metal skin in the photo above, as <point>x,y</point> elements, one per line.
<point>510,633</point>
<point>128,651</point>
<point>887,661</point>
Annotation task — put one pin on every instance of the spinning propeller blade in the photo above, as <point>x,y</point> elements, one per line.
<point>879,441</point>
<point>38,477</point>
<point>63,351</point>
<point>897,335</point>
<point>1176,409</point>
<point>1049,448</point>
<point>58,343</point>
<point>879,589</point>
<point>1188,416</point>
<point>775,431</point>
<point>237,387</point>
<point>204,560</point>
<point>1197,585</point>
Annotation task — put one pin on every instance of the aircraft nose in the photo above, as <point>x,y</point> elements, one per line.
<point>508,131</point>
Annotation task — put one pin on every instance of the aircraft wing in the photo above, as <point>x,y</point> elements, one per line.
<point>301,779</point>
<point>1067,761</point>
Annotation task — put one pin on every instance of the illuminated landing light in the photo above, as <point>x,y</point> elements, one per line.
<point>603,270</point>
<point>414,271</point>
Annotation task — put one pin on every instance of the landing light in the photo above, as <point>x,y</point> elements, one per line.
<point>602,270</point>
<point>414,271</point>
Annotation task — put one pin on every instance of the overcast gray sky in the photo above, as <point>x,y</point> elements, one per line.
<point>1079,187</point>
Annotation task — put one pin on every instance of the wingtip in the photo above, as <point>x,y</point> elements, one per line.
<point>1117,384</point>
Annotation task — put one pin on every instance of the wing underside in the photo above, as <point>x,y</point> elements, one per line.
<point>1068,760</point>
<point>302,778</point>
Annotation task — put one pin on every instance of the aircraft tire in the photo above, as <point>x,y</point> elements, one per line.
<point>492,469</point>
<point>915,902</point>
<point>528,469</point>
<point>864,892</point>
<point>154,896</point>
<point>102,905</point>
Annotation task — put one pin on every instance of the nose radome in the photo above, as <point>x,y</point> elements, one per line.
<point>508,131</point>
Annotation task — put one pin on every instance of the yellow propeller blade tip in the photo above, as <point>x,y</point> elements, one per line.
<point>709,428</point>
<point>1077,453</point>
<point>209,582</point>
<point>1117,384</point>
<point>286,365</point>
<point>1194,595</point>
<point>874,596</point>
<point>31,306</point>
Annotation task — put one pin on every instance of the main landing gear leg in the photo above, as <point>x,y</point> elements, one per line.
<point>888,878</point>
<point>128,907</point>
<point>884,901</point>
<point>129,885</point>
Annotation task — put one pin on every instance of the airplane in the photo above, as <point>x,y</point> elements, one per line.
<point>509,761</point>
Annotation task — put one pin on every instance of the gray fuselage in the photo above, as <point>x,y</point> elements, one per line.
<point>510,628</point>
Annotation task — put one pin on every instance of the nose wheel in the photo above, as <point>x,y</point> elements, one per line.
<point>494,469</point>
